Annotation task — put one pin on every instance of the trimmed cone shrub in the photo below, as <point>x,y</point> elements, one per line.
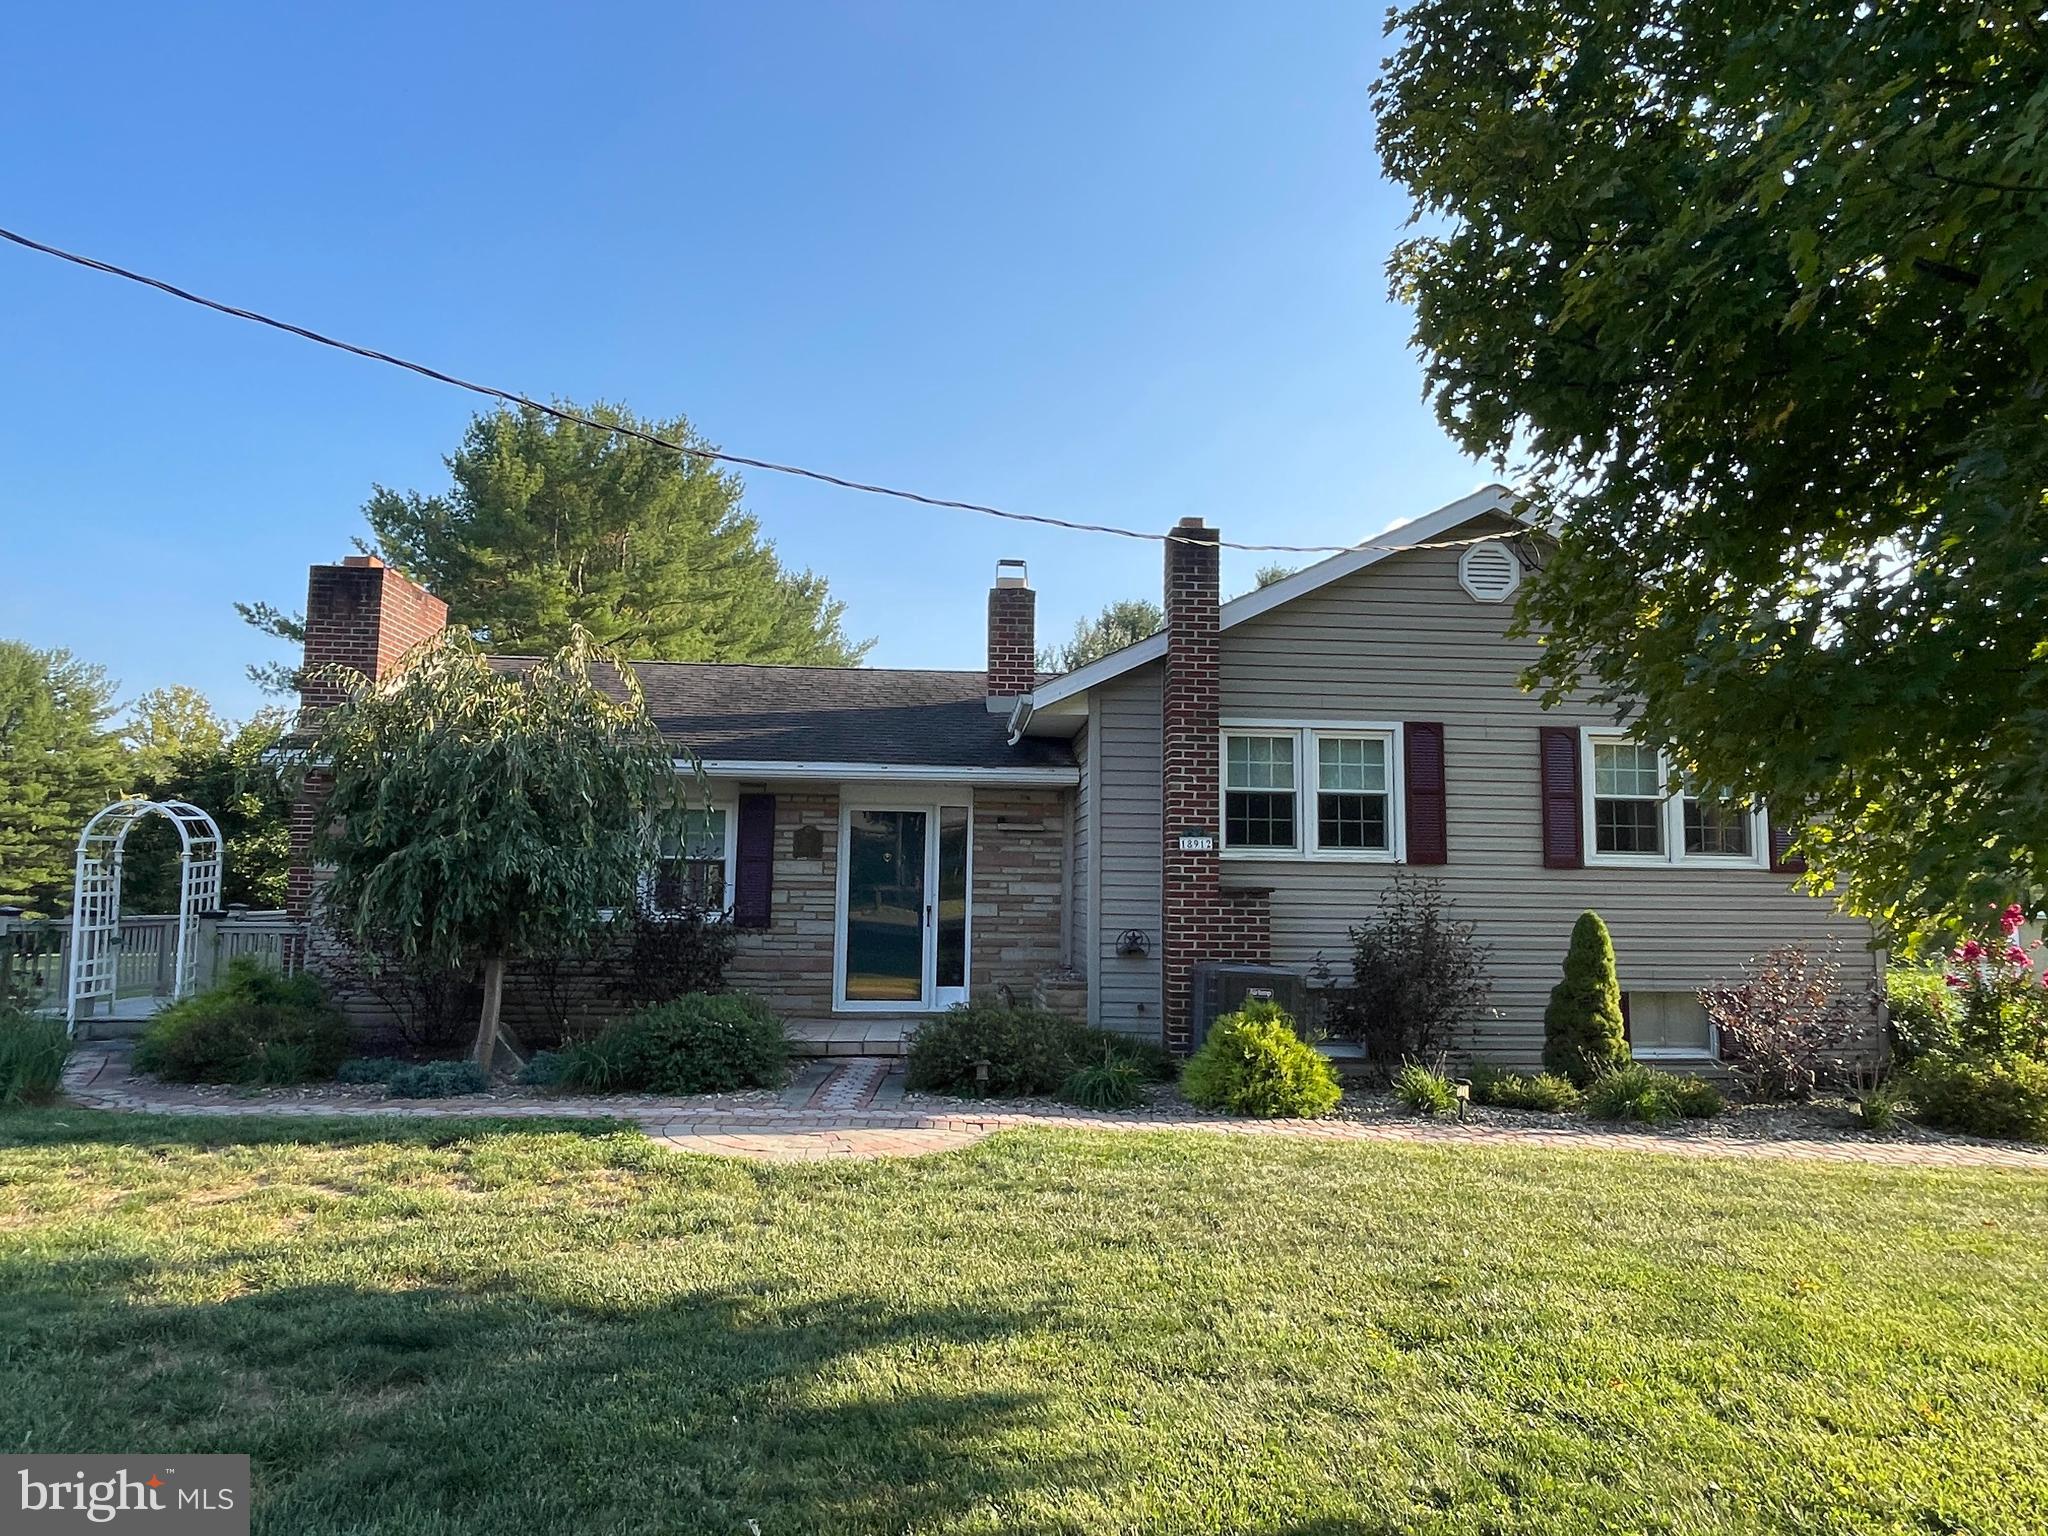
<point>1253,1063</point>
<point>1583,1034</point>
<point>699,1043</point>
<point>256,1025</point>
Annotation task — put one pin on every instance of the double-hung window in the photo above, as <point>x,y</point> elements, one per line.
<point>1628,799</point>
<point>1640,811</point>
<point>694,869</point>
<point>1260,801</point>
<point>1309,791</point>
<point>1354,805</point>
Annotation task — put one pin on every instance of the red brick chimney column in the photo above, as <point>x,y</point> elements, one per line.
<point>363,615</point>
<point>1191,907</point>
<point>1012,632</point>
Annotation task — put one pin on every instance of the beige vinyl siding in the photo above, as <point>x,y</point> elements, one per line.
<point>1079,903</point>
<point>1402,641</point>
<point>1124,753</point>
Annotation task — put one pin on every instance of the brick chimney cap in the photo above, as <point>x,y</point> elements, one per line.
<point>1012,573</point>
<point>1192,525</point>
<point>363,560</point>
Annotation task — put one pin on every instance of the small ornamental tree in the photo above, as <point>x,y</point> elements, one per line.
<point>1583,1035</point>
<point>1788,1026</point>
<point>1418,974</point>
<point>480,816</point>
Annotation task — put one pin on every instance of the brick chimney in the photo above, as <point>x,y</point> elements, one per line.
<point>364,615</point>
<point>1191,910</point>
<point>1012,631</point>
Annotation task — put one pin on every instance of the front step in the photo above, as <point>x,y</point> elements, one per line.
<point>848,1037</point>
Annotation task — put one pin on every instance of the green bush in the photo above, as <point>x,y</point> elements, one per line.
<point>1502,1089</point>
<point>1636,1092</point>
<point>369,1069</point>
<point>699,1043</point>
<point>1923,1012</point>
<point>1423,1092</point>
<point>1583,1034</point>
<point>256,1025</point>
<point>1029,1051</point>
<point>2004,1097</point>
<point>1253,1063</point>
<point>1111,1083</point>
<point>546,1069</point>
<point>32,1052</point>
<point>437,1080</point>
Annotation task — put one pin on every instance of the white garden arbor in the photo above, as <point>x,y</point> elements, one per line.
<point>96,898</point>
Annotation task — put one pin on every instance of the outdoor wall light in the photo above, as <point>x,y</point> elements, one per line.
<point>1132,941</point>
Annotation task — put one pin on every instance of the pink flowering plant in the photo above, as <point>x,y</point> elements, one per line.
<point>2001,999</point>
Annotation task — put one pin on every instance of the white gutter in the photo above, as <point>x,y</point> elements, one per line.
<point>1020,716</point>
<point>868,773</point>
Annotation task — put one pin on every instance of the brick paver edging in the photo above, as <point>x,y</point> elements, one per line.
<point>99,1079</point>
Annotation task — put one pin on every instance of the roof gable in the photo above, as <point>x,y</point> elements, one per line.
<point>1431,525</point>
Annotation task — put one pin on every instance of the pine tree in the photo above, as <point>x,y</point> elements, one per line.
<point>551,527</point>
<point>1583,1035</point>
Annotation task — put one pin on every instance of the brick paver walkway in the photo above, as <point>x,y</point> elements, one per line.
<point>98,1078</point>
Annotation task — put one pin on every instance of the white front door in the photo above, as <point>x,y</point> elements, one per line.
<point>904,891</point>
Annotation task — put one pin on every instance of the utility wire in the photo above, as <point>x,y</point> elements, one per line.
<point>712,455</point>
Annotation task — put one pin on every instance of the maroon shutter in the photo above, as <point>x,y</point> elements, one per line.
<point>1782,862</point>
<point>1626,1032</point>
<point>1563,842</point>
<point>754,873</point>
<point>1422,779</point>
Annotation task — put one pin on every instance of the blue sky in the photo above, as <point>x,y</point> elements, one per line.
<point>1118,263</point>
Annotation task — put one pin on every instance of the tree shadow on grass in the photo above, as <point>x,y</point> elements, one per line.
<point>66,1126</point>
<point>437,1410</point>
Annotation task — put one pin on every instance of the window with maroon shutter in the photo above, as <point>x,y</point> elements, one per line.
<point>1422,756</point>
<point>1563,838</point>
<point>754,861</point>
<point>1783,861</point>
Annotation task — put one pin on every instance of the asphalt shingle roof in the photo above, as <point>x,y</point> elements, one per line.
<point>876,715</point>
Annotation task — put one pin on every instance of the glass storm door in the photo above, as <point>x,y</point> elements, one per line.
<point>886,915</point>
<point>903,931</point>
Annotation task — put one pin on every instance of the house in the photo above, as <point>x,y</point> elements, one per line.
<point>1241,786</point>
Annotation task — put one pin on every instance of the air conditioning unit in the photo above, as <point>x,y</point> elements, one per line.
<point>1217,987</point>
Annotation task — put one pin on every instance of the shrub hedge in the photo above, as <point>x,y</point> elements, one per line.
<point>2001,1096</point>
<point>698,1043</point>
<point>256,1025</point>
<point>1029,1052</point>
<point>1546,1091</point>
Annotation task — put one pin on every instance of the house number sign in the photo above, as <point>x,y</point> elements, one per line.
<point>1197,842</point>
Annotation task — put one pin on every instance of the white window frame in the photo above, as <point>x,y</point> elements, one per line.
<point>1711,1051</point>
<point>1307,787</point>
<point>1671,809</point>
<point>730,809</point>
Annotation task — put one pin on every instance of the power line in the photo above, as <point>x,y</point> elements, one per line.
<point>511,397</point>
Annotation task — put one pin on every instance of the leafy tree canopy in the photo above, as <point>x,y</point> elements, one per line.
<point>550,527</point>
<point>59,763</point>
<point>179,749</point>
<point>1118,625</point>
<point>1758,291</point>
<point>485,815</point>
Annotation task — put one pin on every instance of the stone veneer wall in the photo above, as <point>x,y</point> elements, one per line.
<point>790,961</point>
<point>1020,875</point>
<point>1020,843</point>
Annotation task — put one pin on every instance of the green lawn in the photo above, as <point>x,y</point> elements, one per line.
<point>464,1328</point>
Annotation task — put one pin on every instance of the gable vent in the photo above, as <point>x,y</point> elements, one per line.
<point>1490,572</point>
